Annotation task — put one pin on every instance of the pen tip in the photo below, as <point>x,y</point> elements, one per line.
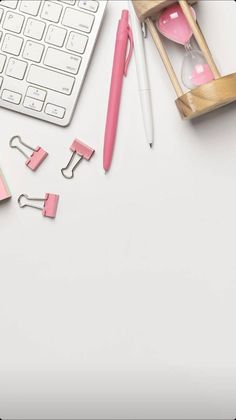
<point>150,144</point>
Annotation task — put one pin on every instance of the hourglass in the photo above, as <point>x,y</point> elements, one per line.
<point>176,20</point>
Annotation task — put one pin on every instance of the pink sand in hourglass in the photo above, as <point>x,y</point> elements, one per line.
<point>202,74</point>
<point>173,24</point>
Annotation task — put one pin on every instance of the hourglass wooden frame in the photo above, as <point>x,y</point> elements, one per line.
<point>202,99</point>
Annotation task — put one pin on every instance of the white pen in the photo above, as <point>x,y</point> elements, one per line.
<point>142,75</point>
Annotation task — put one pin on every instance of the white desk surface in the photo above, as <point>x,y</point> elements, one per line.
<point>124,306</point>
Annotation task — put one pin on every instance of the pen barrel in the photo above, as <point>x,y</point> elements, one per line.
<point>139,51</point>
<point>146,105</point>
<point>114,99</point>
<point>142,75</point>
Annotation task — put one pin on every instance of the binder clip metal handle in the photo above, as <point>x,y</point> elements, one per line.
<point>50,203</point>
<point>83,151</point>
<point>64,171</point>
<point>35,159</point>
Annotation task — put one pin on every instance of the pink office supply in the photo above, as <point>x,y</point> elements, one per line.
<point>4,190</point>
<point>120,66</point>
<point>173,24</point>
<point>50,203</point>
<point>83,151</point>
<point>35,159</point>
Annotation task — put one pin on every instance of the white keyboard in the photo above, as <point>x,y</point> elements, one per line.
<point>45,49</point>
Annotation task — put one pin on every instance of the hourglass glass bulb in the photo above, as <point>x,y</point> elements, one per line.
<point>195,70</point>
<point>173,24</point>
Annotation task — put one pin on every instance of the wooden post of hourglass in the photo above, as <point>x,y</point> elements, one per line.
<point>164,57</point>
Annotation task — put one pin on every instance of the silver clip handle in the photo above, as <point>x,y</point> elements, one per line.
<point>67,167</point>
<point>25,204</point>
<point>144,29</point>
<point>15,146</point>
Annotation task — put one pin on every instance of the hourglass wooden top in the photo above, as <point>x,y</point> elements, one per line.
<point>149,8</point>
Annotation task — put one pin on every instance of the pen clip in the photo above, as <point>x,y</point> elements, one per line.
<point>144,29</point>
<point>131,48</point>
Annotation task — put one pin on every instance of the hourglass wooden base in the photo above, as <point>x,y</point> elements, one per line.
<point>207,97</point>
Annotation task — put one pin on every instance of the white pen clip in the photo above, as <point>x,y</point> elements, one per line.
<point>144,29</point>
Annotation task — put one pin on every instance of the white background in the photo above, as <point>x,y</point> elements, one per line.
<point>124,306</point>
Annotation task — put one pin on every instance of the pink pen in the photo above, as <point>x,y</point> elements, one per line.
<point>119,70</point>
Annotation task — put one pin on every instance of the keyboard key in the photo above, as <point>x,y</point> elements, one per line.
<point>72,2</point>
<point>13,22</point>
<point>33,104</point>
<point>2,62</point>
<point>31,7</point>
<point>90,5</point>
<point>12,44</point>
<point>77,42</point>
<point>55,110</point>
<point>34,29</point>
<point>55,35</point>
<point>11,4</point>
<point>13,97</point>
<point>76,19</point>
<point>16,68</point>
<point>36,93</point>
<point>51,11</point>
<point>51,80</point>
<point>61,60</point>
<point>33,51</point>
<point>1,13</point>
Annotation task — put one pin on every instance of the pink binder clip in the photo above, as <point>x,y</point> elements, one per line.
<point>80,149</point>
<point>35,159</point>
<point>49,208</point>
<point>4,190</point>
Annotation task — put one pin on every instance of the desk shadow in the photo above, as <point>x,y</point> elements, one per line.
<point>5,203</point>
<point>214,116</point>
